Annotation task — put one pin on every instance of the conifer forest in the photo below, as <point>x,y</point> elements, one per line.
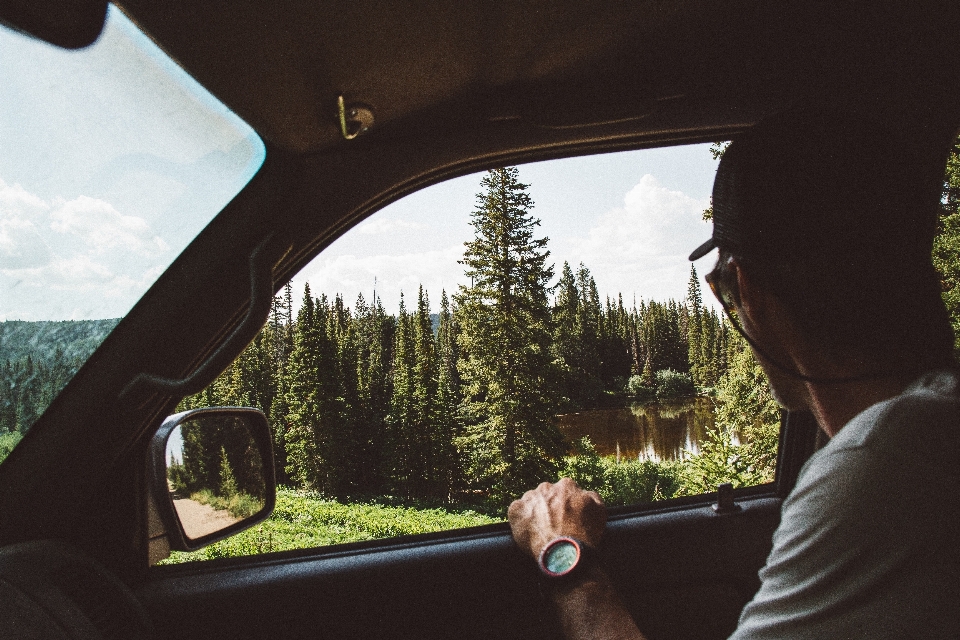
<point>459,407</point>
<point>453,412</point>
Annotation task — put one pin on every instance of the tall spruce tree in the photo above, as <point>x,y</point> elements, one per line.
<point>510,388</point>
<point>588,322</point>
<point>449,397</point>
<point>318,452</point>
<point>695,329</point>
<point>429,483</point>
<point>373,363</point>
<point>404,469</point>
<point>566,345</point>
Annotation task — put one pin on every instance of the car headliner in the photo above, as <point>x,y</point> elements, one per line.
<point>454,87</point>
<point>426,67</point>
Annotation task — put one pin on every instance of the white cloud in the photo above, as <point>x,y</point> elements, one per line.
<point>101,227</point>
<point>21,217</point>
<point>383,226</point>
<point>641,248</point>
<point>351,275</point>
<point>96,260</point>
<point>638,249</point>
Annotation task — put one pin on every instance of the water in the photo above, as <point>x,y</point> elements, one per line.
<point>644,432</point>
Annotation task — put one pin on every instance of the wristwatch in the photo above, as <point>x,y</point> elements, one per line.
<point>565,558</point>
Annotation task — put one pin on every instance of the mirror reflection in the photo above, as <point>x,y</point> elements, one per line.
<point>214,473</point>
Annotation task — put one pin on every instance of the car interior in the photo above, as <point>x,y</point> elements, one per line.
<point>359,104</point>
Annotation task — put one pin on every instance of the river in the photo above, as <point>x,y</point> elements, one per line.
<point>643,431</point>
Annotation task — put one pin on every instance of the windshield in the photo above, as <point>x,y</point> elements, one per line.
<point>112,159</point>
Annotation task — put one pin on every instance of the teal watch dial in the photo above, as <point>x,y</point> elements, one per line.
<point>560,557</point>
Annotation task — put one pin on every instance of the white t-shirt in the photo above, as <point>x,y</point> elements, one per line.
<point>868,543</point>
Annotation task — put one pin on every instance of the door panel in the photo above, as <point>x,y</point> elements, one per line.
<point>682,571</point>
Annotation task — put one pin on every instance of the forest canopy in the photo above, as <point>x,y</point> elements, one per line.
<point>460,406</point>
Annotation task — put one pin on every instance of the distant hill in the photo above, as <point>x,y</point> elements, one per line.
<point>76,339</point>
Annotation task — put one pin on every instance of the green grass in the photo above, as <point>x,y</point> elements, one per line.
<point>303,520</point>
<point>240,505</point>
<point>8,441</point>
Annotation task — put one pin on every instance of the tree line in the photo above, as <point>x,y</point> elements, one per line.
<point>434,406</point>
<point>442,407</point>
<point>37,359</point>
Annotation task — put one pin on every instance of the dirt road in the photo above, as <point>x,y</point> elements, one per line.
<point>200,519</point>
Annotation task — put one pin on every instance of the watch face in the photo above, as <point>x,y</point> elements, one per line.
<point>560,557</point>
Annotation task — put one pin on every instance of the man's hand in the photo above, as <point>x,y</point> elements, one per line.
<point>554,510</point>
<point>589,609</point>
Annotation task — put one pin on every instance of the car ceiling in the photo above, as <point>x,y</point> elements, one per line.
<point>425,67</point>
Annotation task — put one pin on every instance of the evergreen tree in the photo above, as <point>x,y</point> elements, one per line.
<point>404,461</point>
<point>424,426</point>
<point>448,401</point>
<point>946,245</point>
<point>589,313</point>
<point>695,329</point>
<point>615,353</point>
<point>566,344</point>
<point>509,380</point>
<point>316,456</point>
<point>373,355</point>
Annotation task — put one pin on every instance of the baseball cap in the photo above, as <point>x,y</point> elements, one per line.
<point>838,186</point>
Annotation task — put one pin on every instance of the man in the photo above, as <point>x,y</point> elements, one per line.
<point>824,227</point>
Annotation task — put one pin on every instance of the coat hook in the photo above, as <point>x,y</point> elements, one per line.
<point>354,120</point>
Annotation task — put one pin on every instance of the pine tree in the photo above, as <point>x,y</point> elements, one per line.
<point>403,467</point>
<point>449,397</point>
<point>566,345</point>
<point>510,384</point>
<point>588,334</point>
<point>695,328</point>
<point>373,363</point>
<point>318,451</point>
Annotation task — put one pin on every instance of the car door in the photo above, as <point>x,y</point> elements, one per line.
<point>684,568</point>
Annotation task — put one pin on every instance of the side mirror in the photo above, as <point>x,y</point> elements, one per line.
<point>212,474</point>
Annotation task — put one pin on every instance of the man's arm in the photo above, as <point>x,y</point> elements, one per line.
<point>588,608</point>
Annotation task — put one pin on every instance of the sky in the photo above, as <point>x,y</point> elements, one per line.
<point>112,160</point>
<point>631,218</point>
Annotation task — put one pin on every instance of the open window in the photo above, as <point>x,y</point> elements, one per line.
<point>499,330</point>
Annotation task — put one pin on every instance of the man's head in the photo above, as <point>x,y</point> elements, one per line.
<point>834,216</point>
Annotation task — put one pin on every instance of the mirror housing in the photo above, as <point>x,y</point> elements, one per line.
<point>211,474</point>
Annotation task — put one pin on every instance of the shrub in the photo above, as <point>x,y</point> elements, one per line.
<point>638,390</point>
<point>585,467</point>
<point>239,505</point>
<point>636,482</point>
<point>8,441</point>
<point>672,384</point>
<point>620,483</point>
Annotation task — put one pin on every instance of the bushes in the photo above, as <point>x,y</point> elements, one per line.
<point>641,392</point>
<point>240,505</point>
<point>620,483</point>
<point>746,407</point>
<point>8,441</point>
<point>672,384</point>
<point>667,385</point>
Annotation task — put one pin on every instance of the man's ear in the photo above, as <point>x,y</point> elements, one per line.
<point>747,296</point>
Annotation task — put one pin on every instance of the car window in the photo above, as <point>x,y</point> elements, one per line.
<point>496,331</point>
<point>112,160</point>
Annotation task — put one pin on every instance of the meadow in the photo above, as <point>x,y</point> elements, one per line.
<point>303,519</point>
